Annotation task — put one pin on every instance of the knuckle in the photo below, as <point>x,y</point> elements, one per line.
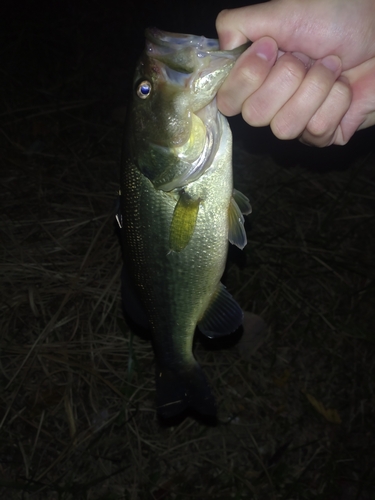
<point>248,77</point>
<point>254,114</point>
<point>318,126</point>
<point>293,69</point>
<point>227,105</point>
<point>327,118</point>
<point>318,87</point>
<point>343,91</point>
<point>221,19</point>
<point>309,140</point>
<point>322,124</point>
<point>282,129</point>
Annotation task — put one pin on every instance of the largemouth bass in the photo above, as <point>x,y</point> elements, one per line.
<point>179,209</point>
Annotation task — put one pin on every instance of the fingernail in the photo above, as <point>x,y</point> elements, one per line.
<point>302,141</point>
<point>265,49</point>
<point>303,58</point>
<point>332,62</point>
<point>344,79</point>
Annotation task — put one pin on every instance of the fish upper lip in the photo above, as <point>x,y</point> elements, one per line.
<point>167,39</point>
<point>168,42</point>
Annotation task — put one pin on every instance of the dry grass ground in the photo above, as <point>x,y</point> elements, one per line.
<point>77,417</point>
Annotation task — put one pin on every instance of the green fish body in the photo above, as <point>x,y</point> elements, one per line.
<point>179,209</point>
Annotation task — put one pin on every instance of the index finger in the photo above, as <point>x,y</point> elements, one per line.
<point>228,30</point>
<point>237,26</point>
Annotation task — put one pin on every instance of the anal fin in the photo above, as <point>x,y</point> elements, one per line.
<point>223,315</point>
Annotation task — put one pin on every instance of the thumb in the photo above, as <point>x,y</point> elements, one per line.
<point>237,26</point>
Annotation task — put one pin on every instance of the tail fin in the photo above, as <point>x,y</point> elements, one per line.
<point>177,390</point>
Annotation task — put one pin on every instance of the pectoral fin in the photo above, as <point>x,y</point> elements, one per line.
<point>239,205</point>
<point>223,315</point>
<point>242,202</point>
<point>183,222</point>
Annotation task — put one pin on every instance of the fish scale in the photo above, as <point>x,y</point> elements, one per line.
<point>192,274</point>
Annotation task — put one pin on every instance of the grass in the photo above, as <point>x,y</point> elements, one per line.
<point>77,414</point>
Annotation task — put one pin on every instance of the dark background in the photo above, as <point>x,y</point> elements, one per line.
<point>100,42</point>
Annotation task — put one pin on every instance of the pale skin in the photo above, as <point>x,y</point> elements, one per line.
<point>310,72</point>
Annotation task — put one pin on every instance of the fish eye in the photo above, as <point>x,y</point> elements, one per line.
<point>144,89</point>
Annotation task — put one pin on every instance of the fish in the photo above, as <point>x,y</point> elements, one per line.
<point>178,210</point>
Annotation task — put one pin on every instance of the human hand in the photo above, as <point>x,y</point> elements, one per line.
<point>322,89</point>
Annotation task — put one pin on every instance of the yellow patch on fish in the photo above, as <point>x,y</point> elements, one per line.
<point>183,222</point>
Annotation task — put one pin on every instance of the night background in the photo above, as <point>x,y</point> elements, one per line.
<point>77,412</point>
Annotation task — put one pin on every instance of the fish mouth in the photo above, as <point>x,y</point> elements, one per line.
<point>168,42</point>
<point>184,52</point>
